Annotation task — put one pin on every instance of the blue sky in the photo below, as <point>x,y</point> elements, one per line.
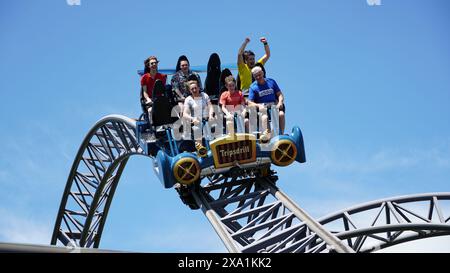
<point>369,86</point>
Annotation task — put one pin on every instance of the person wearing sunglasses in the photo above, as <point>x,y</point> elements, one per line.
<point>148,80</point>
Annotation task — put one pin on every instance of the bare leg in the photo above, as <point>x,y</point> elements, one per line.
<point>201,150</point>
<point>282,121</point>
<point>230,125</point>
<point>265,136</point>
<point>264,122</point>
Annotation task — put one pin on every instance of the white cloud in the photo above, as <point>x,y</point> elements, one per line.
<point>429,245</point>
<point>184,239</point>
<point>20,228</point>
<point>328,159</point>
<point>330,178</point>
<point>168,240</point>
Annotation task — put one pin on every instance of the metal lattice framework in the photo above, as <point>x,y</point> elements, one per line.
<point>253,215</point>
<point>92,181</point>
<point>248,212</point>
<point>379,224</point>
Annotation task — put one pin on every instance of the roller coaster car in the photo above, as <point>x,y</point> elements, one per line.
<point>178,161</point>
<point>229,155</point>
<point>232,155</point>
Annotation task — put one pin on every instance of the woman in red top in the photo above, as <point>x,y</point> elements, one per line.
<point>148,80</point>
<point>232,101</point>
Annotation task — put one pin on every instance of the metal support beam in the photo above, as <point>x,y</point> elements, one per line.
<point>250,214</point>
<point>312,224</point>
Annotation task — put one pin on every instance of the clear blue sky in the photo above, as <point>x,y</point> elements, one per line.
<point>369,86</point>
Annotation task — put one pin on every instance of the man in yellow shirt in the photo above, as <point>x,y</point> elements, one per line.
<point>246,61</point>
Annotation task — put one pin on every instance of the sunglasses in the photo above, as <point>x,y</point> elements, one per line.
<point>152,63</point>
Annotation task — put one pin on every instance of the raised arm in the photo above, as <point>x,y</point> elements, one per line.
<point>266,56</point>
<point>241,51</point>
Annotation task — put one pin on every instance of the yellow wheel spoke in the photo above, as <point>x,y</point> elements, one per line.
<point>186,175</point>
<point>284,153</point>
<point>288,148</point>
<point>187,170</point>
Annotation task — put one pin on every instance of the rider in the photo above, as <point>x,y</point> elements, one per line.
<point>246,61</point>
<point>263,92</point>
<point>232,101</point>
<point>180,78</point>
<point>197,107</point>
<point>148,80</point>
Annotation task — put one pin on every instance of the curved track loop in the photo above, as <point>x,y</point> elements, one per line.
<point>379,224</point>
<point>92,181</point>
<point>253,215</point>
<point>249,213</point>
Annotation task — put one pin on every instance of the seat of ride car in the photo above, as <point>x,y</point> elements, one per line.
<point>162,106</point>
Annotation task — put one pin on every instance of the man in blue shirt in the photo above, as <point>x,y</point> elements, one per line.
<point>262,93</point>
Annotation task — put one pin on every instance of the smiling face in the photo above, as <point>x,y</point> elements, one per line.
<point>153,65</point>
<point>250,60</point>
<point>184,66</point>
<point>231,86</point>
<point>258,74</point>
<point>230,83</point>
<point>193,88</point>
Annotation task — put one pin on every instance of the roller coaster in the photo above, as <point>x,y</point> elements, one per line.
<point>233,183</point>
<point>246,209</point>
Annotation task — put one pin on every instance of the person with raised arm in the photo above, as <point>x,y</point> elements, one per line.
<point>246,61</point>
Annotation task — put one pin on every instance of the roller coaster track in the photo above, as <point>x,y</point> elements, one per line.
<point>249,213</point>
<point>387,222</point>
<point>92,181</point>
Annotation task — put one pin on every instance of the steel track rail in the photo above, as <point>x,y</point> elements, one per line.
<point>250,214</point>
<point>92,181</point>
